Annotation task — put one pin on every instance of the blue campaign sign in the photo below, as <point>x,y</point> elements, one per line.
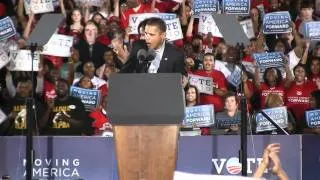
<point>266,60</point>
<point>279,115</point>
<point>199,116</point>
<point>205,6</point>
<point>236,6</point>
<point>313,118</point>
<point>235,77</point>
<point>167,16</point>
<point>312,30</point>
<point>89,97</point>
<point>224,122</point>
<point>7,28</point>
<point>277,22</point>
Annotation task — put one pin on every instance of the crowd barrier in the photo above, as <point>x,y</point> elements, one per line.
<point>94,158</point>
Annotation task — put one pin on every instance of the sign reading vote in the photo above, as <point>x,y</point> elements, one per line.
<point>89,97</point>
<point>204,84</point>
<point>136,19</point>
<point>4,59</point>
<point>312,30</point>
<point>174,31</point>
<point>236,6</point>
<point>277,22</point>
<point>207,24</point>
<point>278,115</point>
<point>38,6</point>
<point>91,2</point>
<point>205,6</point>
<point>6,28</point>
<point>199,116</point>
<point>20,60</point>
<point>313,118</point>
<point>58,45</point>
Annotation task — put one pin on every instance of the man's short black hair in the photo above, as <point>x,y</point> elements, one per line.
<point>154,21</point>
<point>306,4</point>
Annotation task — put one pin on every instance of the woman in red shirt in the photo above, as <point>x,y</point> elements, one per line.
<point>298,95</point>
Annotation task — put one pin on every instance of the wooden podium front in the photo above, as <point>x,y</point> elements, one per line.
<point>146,152</point>
<point>146,124</point>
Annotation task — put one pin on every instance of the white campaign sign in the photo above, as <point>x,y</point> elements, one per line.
<point>136,19</point>
<point>20,60</point>
<point>2,116</point>
<point>207,24</point>
<point>4,59</point>
<point>247,26</point>
<point>91,2</point>
<point>58,45</point>
<point>38,6</point>
<point>174,31</point>
<point>204,84</point>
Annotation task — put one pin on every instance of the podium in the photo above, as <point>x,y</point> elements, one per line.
<point>146,110</point>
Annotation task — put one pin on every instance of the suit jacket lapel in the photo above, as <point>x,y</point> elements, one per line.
<point>164,59</point>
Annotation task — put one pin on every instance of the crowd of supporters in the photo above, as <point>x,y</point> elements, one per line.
<point>102,44</point>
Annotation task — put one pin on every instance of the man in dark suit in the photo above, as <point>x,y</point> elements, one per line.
<point>167,58</point>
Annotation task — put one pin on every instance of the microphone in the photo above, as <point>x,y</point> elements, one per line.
<point>142,55</point>
<point>146,56</point>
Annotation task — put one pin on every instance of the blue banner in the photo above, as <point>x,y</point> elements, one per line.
<point>279,115</point>
<point>205,6</point>
<point>89,97</point>
<point>199,116</point>
<point>313,118</point>
<point>94,158</point>
<point>236,6</point>
<point>7,28</point>
<point>312,30</point>
<point>277,22</point>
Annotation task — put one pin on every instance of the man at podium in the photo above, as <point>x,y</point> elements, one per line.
<point>154,54</point>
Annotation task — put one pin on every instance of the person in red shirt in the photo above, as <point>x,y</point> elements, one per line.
<point>134,7</point>
<point>298,95</point>
<point>273,83</point>
<point>101,120</point>
<point>219,81</point>
<point>266,4</point>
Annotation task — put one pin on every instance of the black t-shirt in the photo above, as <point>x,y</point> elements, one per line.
<point>18,125</point>
<point>63,111</point>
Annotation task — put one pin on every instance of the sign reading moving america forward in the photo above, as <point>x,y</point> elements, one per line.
<point>89,97</point>
<point>7,28</point>
<point>313,118</point>
<point>236,6</point>
<point>279,115</point>
<point>208,6</point>
<point>199,116</point>
<point>312,30</point>
<point>277,22</point>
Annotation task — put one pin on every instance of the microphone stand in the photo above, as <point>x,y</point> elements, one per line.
<point>244,123</point>
<point>30,106</point>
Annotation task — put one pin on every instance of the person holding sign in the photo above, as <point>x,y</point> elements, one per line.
<point>166,57</point>
<point>230,118</point>
<point>220,83</point>
<point>272,82</point>
<point>192,97</point>
<point>314,105</point>
<point>298,94</point>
